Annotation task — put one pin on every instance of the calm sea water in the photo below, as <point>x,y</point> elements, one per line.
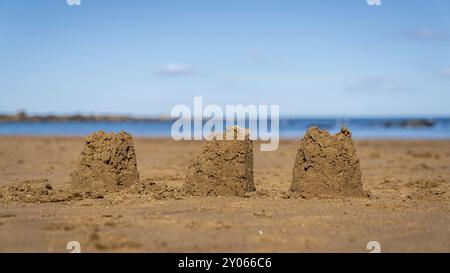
<point>289,128</point>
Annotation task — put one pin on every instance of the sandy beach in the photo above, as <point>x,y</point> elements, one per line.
<point>407,209</point>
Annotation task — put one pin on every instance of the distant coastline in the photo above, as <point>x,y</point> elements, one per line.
<point>24,117</point>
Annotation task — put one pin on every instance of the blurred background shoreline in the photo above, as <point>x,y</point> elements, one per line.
<point>289,127</point>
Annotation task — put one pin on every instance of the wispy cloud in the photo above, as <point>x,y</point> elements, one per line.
<point>429,34</point>
<point>256,55</point>
<point>445,73</point>
<point>174,69</point>
<point>373,85</point>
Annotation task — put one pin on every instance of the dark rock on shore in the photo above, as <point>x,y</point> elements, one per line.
<point>410,123</point>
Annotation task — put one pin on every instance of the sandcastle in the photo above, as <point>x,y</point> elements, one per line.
<point>225,166</point>
<point>107,163</point>
<point>327,165</point>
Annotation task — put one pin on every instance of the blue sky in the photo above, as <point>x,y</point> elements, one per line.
<point>313,58</point>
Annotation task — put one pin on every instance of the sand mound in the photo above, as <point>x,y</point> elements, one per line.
<point>158,190</point>
<point>108,163</point>
<point>224,168</point>
<point>327,165</point>
<point>33,191</point>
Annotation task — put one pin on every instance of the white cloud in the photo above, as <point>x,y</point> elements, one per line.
<point>174,69</point>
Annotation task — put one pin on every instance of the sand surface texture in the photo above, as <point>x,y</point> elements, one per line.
<point>408,208</point>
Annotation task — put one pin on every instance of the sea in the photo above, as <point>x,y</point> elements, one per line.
<point>290,128</point>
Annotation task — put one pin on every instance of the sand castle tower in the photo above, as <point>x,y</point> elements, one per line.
<point>225,166</point>
<point>107,163</point>
<point>327,165</point>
